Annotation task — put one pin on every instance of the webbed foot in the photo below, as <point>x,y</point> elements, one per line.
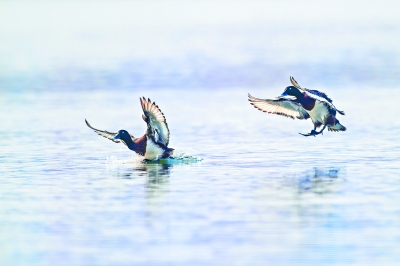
<point>312,133</point>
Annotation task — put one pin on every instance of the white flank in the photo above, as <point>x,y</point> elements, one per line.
<point>153,151</point>
<point>319,112</point>
<point>322,99</point>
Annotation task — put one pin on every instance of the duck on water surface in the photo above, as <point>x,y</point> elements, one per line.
<point>153,145</point>
<point>302,103</point>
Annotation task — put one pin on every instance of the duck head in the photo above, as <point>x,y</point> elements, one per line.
<point>124,136</point>
<point>291,93</point>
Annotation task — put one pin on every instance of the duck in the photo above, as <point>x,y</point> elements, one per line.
<point>302,103</point>
<point>153,145</point>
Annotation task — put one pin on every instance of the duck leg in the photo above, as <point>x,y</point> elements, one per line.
<point>322,130</point>
<point>314,132</point>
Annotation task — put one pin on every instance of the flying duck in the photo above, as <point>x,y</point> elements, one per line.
<point>302,103</point>
<point>153,145</point>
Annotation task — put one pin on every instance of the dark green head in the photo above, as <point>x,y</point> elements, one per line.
<point>291,91</point>
<point>124,136</point>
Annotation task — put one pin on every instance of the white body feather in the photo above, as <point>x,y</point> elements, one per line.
<point>319,113</point>
<point>153,151</point>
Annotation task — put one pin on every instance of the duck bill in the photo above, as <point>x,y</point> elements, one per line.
<point>116,137</point>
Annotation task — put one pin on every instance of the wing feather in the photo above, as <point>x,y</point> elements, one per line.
<point>318,95</point>
<point>294,83</point>
<point>156,123</point>
<point>106,134</point>
<point>284,107</point>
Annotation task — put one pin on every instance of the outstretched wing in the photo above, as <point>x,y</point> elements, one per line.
<point>156,123</point>
<point>103,133</point>
<point>282,107</point>
<point>313,93</point>
<point>106,134</point>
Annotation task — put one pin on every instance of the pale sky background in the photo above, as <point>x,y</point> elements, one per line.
<point>51,35</point>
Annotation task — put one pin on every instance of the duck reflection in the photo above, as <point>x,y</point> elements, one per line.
<point>157,177</point>
<point>156,185</point>
<point>318,181</point>
<point>153,172</point>
<point>157,190</point>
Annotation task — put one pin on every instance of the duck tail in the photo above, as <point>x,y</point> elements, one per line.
<point>340,112</point>
<point>337,127</point>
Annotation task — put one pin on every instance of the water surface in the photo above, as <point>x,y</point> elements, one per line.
<point>262,193</point>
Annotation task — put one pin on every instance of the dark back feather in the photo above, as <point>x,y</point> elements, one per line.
<point>319,94</point>
<point>315,92</point>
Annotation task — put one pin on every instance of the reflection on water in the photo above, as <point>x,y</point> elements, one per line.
<point>155,177</point>
<point>318,180</point>
<point>133,167</point>
<point>157,174</point>
<point>157,188</point>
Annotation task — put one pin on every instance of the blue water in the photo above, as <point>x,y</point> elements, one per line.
<point>250,190</point>
<point>261,193</point>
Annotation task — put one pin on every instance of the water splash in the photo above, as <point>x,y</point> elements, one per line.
<point>181,156</point>
<point>115,160</point>
<point>175,160</point>
<point>186,153</point>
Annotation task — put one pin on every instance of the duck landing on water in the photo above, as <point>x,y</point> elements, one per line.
<point>302,103</point>
<point>153,145</point>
